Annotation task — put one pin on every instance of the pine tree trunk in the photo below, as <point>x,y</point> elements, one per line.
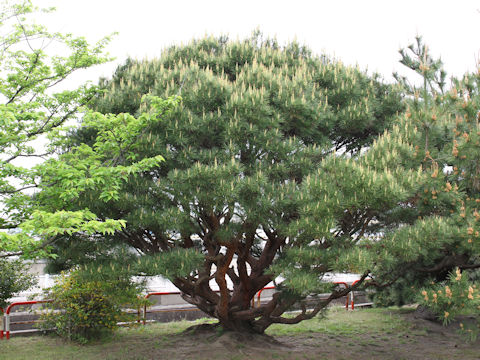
<point>242,326</point>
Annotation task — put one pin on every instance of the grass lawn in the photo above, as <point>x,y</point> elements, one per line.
<point>359,334</point>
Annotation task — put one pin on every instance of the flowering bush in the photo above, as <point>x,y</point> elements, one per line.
<point>83,310</point>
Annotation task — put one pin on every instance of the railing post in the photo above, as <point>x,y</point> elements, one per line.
<point>259,294</point>
<point>145,313</point>
<point>145,306</point>
<point>352,296</point>
<point>7,326</point>
<point>9,308</point>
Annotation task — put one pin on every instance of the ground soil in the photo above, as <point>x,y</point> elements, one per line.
<point>425,340</point>
<point>359,335</point>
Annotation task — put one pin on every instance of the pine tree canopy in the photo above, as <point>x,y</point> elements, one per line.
<point>263,174</point>
<point>433,242</point>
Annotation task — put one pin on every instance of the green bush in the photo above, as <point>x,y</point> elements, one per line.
<point>86,309</point>
<point>456,296</point>
<point>14,278</point>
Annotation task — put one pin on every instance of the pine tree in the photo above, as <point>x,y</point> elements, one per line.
<point>433,248</point>
<point>252,186</point>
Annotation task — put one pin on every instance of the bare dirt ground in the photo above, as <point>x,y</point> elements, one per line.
<point>359,335</point>
<point>422,339</point>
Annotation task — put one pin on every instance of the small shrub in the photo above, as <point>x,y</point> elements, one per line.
<point>456,296</point>
<point>87,309</point>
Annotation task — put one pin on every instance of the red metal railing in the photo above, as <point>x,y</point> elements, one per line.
<point>346,286</point>
<point>349,299</point>
<point>10,307</point>
<point>143,319</point>
<point>350,296</point>
<point>259,294</point>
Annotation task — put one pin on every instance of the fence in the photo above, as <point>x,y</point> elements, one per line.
<point>142,315</point>
<point>6,318</point>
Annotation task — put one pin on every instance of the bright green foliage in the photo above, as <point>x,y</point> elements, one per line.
<point>32,112</point>
<point>29,105</point>
<point>97,167</point>
<point>248,187</point>
<point>90,308</point>
<point>14,279</point>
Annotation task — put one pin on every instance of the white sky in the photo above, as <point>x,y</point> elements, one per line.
<point>367,32</point>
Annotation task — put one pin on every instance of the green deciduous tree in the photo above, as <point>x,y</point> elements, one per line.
<point>251,187</point>
<point>33,62</point>
<point>31,108</point>
<point>14,278</point>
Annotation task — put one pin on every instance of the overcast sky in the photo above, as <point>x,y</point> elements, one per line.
<point>369,33</point>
